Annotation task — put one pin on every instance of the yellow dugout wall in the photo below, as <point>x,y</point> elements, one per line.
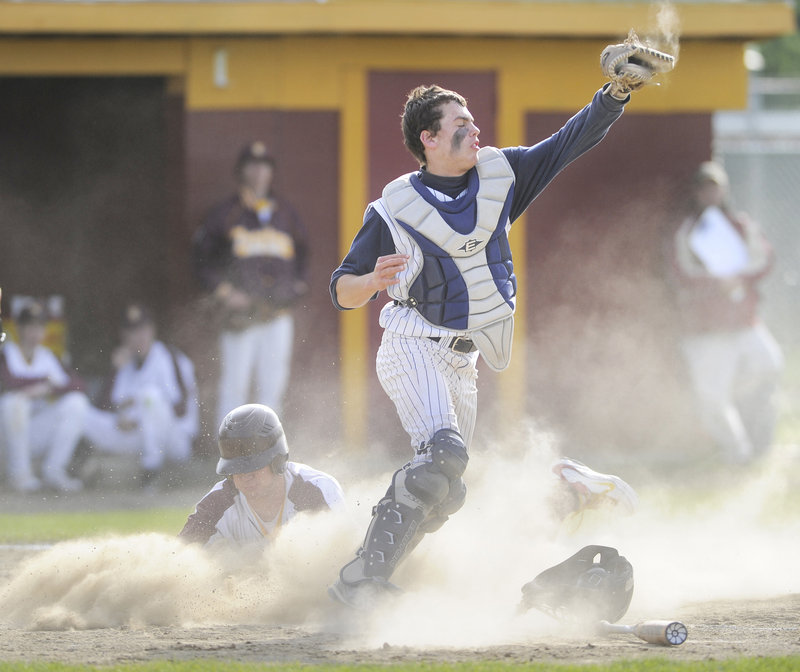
<point>284,56</point>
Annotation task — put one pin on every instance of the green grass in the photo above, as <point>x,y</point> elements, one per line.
<point>58,526</point>
<point>787,664</point>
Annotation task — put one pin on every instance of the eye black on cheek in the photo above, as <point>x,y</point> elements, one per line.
<point>458,137</point>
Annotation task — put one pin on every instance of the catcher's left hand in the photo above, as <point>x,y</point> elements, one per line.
<point>631,64</point>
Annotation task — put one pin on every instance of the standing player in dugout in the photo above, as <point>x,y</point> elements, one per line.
<point>437,243</point>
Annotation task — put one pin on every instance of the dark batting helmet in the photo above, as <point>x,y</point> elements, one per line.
<point>250,438</point>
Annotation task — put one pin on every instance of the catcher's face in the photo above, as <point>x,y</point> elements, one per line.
<point>454,148</point>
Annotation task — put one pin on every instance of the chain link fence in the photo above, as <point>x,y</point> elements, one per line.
<point>760,149</point>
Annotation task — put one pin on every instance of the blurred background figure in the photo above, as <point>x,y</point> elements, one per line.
<point>148,407</point>
<point>42,408</point>
<point>251,254</point>
<point>718,260</point>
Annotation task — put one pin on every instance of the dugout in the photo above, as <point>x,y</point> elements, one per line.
<point>135,111</point>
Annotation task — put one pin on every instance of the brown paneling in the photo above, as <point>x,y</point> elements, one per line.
<point>306,146</point>
<point>388,158</point>
<point>604,363</point>
<point>82,201</point>
<point>179,235</point>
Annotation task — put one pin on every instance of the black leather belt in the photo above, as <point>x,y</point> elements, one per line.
<point>456,343</point>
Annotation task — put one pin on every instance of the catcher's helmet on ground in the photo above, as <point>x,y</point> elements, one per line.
<point>250,438</point>
<point>583,588</point>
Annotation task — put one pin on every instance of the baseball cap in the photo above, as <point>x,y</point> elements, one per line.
<point>135,315</point>
<point>711,171</point>
<point>254,152</point>
<point>32,313</point>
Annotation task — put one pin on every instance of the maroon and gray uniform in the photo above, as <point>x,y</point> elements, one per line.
<point>262,251</point>
<point>718,262</point>
<point>224,513</point>
<point>264,254</point>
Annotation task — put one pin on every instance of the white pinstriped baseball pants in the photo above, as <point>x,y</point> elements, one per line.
<point>431,386</point>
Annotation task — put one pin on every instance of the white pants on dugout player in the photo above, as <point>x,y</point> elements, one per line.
<point>159,435</point>
<point>735,375</point>
<point>35,429</point>
<point>258,357</point>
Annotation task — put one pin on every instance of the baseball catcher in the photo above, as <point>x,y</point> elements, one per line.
<point>631,64</point>
<point>436,242</point>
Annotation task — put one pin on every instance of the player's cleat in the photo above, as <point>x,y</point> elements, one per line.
<point>595,490</point>
<point>362,596</point>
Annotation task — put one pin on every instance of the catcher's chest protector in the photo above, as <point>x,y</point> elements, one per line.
<point>460,281</point>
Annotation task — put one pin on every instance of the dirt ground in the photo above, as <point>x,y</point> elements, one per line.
<point>717,630</point>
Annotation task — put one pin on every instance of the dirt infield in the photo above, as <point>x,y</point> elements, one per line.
<point>717,630</point>
<point>726,568</point>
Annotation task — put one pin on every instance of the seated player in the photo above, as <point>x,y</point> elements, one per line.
<point>149,407</point>
<point>42,408</point>
<point>262,490</point>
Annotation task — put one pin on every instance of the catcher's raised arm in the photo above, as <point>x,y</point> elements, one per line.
<point>632,64</point>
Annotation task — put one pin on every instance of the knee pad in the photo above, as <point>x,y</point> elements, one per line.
<point>449,453</point>
<point>439,515</point>
<point>455,498</point>
<point>432,482</point>
<point>424,482</point>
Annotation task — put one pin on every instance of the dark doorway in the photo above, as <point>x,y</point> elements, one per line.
<point>83,205</point>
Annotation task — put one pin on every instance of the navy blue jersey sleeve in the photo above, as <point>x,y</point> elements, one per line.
<point>372,241</point>
<point>535,167</point>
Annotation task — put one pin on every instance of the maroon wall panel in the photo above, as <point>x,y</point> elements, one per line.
<point>306,147</point>
<point>83,210</point>
<point>604,365</point>
<point>388,157</point>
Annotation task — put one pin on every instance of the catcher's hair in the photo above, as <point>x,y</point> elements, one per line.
<point>423,112</point>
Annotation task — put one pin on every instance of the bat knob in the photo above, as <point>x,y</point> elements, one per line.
<point>676,633</point>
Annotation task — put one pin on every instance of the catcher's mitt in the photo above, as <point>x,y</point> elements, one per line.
<point>631,64</point>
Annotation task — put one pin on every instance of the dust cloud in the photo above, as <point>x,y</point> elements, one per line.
<point>463,582</point>
<point>668,29</point>
<point>737,542</point>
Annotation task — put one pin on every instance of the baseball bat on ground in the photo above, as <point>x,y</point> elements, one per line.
<point>668,633</point>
